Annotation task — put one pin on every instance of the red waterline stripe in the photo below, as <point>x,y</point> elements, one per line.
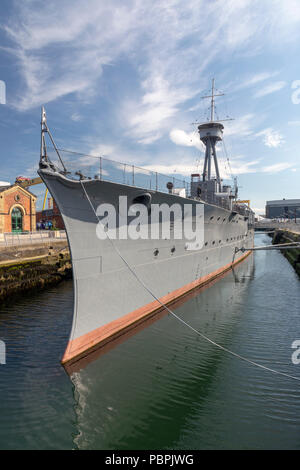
<point>80,347</point>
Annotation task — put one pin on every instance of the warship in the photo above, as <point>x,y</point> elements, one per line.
<point>123,275</point>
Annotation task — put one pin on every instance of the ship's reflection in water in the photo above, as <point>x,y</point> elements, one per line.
<point>166,387</point>
<point>143,393</point>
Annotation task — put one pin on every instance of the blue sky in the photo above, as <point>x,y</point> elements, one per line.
<point>124,79</point>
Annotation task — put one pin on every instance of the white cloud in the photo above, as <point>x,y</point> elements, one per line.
<point>238,166</point>
<point>94,34</point>
<point>147,118</point>
<point>76,117</point>
<point>102,150</point>
<point>277,167</point>
<point>240,126</point>
<point>62,50</point>
<point>257,78</point>
<point>259,210</point>
<point>271,88</point>
<point>187,139</point>
<point>272,138</point>
<point>111,152</point>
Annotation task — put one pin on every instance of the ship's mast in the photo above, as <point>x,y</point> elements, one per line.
<point>210,133</point>
<point>212,103</point>
<point>44,129</point>
<point>43,155</point>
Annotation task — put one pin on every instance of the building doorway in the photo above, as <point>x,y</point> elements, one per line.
<point>16,220</point>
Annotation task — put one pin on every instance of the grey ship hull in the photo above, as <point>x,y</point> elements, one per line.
<point>108,299</point>
<point>150,360</point>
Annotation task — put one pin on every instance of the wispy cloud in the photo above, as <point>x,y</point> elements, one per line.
<point>277,167</point>
<point>101,150</point>
<point>67,53</point>
<point>255,79</point>
<point>62,50</point>
<point>270,88</point>
<point>272,138</point>
<point>147,117</point>
<point>187,139</point>
<point>185,168</point>
<point>243,126</point>
<point>76,117</point>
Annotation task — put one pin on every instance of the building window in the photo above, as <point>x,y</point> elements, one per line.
<point>16,220</point>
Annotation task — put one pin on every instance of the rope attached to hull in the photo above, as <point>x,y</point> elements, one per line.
<point>280,246</point>
<point>141,282</point>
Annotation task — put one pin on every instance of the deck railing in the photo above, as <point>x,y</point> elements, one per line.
<point>101,168</point>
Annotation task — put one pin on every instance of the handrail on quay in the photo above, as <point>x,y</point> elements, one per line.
<point>24,238</point>
<point>272,225</point>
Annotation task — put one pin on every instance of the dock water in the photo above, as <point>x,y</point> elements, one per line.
<point>163,388</point>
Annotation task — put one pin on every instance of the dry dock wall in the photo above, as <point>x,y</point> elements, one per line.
<point>293,255</point>
<point>32,268</point>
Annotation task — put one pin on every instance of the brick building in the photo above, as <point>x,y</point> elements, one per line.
<point>52,214</point>
<point>17,209</point>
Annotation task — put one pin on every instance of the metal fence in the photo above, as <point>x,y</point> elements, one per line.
<point>279,224</point>
<point>82,166</point>
<point>27,238</point>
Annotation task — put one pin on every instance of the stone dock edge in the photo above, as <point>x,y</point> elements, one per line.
<point>26,269</point>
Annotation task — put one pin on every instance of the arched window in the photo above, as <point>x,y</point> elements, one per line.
<point>16,220</point>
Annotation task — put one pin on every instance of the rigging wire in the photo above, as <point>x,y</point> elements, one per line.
<point>140,281</point>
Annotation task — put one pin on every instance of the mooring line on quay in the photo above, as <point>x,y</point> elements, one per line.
<point>245,359</point>
<point>280,246</point>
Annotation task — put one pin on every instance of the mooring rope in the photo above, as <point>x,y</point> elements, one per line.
<point>174,314</point>
<point>280,246</point>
